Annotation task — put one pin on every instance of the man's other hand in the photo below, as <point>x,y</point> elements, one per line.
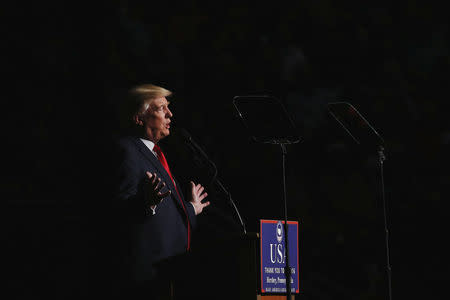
<point>153,187</point>
<point>197,195</point>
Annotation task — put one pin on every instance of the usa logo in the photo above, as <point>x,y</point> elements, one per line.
<point>279,232</point>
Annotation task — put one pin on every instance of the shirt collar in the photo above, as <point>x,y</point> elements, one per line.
<point>150,145</point>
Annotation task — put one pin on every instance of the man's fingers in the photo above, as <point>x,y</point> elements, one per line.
<point>165,194</point>
<point>200,190</point>
<point>202,196</point>
<point>151,177</point>
<point>156,182</point>
<point>154,193</point>
<point>159,186</point>
<point>197,188</point>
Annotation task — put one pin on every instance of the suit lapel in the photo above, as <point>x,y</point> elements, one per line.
<point>155,162</point>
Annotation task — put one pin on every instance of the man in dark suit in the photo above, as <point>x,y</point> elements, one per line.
<point>156,221</point>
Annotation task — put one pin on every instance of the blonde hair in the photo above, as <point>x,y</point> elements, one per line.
<point>142,95</point>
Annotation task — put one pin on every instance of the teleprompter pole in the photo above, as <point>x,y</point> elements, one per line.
<point>287,268</point>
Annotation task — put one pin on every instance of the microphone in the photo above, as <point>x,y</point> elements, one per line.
<point>188,138</point>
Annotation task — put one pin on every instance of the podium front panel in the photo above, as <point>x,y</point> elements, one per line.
<point>273,257</point>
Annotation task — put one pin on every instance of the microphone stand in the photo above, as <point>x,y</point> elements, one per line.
<point>381,160</point>
<point>219,183</point>
<point>232,203</point>
<point>214,178</point>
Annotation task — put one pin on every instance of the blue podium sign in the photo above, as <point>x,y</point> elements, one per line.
<point>273,256</point>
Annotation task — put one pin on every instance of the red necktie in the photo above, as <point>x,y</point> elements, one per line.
<point>163,161</point>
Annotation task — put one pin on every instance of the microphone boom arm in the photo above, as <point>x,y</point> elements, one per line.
<point>232,203</point>
<point>189,139</point>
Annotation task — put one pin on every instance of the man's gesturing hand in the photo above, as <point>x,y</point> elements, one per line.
<point>197,195</point>
<point>153,194</point>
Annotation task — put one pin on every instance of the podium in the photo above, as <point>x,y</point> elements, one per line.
<point>223,268</point>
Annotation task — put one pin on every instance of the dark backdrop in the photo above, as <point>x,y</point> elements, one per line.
<point>67,65</point>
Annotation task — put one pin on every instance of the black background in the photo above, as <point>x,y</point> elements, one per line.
<point>67,64</point>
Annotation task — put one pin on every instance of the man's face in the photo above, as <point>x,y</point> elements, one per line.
<point>156,119</point>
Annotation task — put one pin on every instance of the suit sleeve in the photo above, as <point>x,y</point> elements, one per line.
<point>191,213</point>
<point>128,185</point>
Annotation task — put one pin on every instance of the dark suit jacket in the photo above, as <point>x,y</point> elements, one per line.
<point>145,238</point>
